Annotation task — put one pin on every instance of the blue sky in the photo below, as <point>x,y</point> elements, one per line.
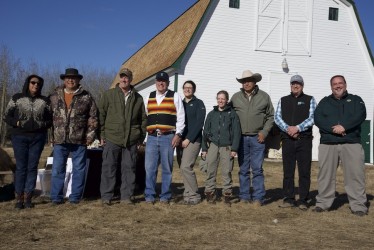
<point>101,33</point>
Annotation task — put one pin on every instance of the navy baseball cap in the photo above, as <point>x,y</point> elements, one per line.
<point>162,76</point>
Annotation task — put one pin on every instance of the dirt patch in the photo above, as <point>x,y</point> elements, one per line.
<point>89,225</point>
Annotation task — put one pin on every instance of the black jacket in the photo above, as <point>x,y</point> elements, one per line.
<point>32,113</point>
<point>349,111</point>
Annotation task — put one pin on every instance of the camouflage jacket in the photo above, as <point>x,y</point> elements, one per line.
<point>76,124</point>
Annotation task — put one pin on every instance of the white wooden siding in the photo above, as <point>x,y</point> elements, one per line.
<point>226,45</point>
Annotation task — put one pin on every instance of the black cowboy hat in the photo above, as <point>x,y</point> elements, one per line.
<point>71,72</point>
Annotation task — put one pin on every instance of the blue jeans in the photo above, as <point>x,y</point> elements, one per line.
<point>60,156</point>
<point>27,151</point>
<point>251,157</point>
<point>158,150</point>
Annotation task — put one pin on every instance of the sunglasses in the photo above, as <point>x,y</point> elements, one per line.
<point>33,83</point>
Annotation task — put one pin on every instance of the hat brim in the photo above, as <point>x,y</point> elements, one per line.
<point>162,79</point>
<point>79,76</point>
<point>254,78</point>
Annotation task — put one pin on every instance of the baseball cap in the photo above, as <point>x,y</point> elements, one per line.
<point>298,79</point>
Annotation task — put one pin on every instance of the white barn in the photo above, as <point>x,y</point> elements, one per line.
<point>213,41</point>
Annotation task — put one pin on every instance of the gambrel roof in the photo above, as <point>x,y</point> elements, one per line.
<point>167,48</point>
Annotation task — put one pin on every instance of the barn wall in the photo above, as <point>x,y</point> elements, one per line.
<point>227,43</point>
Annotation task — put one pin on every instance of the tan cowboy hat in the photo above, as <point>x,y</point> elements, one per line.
<point>248,76</point>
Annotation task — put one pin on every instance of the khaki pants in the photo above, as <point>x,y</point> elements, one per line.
<point>353,165</point>
<point>186,159</point>
<point>219,155</point>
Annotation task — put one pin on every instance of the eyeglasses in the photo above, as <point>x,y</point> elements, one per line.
<point>33,83</point>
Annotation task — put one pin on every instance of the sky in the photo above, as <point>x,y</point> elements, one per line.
<point>98,33</point>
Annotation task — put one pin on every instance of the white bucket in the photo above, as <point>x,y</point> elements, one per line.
<point>44,179</point>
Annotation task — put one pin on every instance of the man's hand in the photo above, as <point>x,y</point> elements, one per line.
<point>89,142</point>
<point>203,155</point>
<point>260,137</point>
<point>175,141</point>
<point>232,154</point>
<point>102,142</point>
<point>292,130</point>
<point>338,129</point>
<point>185,143</point>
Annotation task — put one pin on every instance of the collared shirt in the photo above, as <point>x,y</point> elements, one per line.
<point>179,126</point>
<point>306,124</point>
<point>126,96</point>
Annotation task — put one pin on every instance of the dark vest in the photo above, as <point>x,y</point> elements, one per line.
<point>161,117</point>
<point>295,111</point>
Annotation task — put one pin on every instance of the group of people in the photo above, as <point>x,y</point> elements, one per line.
<point>166,122</point>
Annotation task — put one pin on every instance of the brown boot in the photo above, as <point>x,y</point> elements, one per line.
<point>28,203</point>
<point>210,197</point>
<point>19,201</point>
<point>227,198</point>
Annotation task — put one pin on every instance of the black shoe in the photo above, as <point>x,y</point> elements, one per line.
<point>318,210</point>
<point>359,213</point>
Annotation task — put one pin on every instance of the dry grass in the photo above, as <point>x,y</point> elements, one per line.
<point>91,226</point>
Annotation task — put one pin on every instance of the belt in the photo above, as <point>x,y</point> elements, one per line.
<point>159,133</point>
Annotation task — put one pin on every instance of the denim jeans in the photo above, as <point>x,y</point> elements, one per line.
<point>251,157</point>
<point>158,150</point>
<point>60,156</point>
<point>27,151</point>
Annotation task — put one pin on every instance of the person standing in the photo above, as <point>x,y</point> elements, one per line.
<point>339,117</point>
<point>295,119</point>
<point>165,124</point>
<point>123,129</point>
<point>29,115</point>
<point>189,149</point>
<point>256,115</point>
<point>220,145</point>
<point>75,121</point>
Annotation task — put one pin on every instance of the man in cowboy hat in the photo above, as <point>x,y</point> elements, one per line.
<point>75,122</point>
<point>256,115</point>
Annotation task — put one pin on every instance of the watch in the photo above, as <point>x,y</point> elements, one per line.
<point>179,135</point>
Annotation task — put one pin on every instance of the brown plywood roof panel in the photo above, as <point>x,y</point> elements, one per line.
<point>166,47</point>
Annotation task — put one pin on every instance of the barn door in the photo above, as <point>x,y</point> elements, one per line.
<point>270,25</point>
<point>284,26</point>
<point>298,27</point>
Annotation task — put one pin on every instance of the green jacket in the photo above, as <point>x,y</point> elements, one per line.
<point>121,124</point>
<point>256,115</point>
<point>222,128</point>
<point>349,111</point>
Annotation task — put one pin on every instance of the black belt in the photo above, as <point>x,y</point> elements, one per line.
<point>159,133</point>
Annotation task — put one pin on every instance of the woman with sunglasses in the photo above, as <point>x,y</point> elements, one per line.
<point>29,116</point>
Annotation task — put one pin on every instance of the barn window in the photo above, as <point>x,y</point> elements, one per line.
<point>234,4</point>
<point>333,14</point>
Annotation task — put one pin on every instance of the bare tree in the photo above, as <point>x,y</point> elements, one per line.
<point>10,69</point>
